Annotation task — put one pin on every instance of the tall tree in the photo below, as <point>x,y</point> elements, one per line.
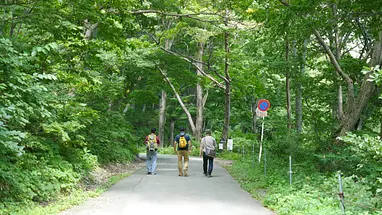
<point>162,107</point>
<point>355,103</point>
<point>199,94</point>
<point>299,95</point>
<point>227,79</point>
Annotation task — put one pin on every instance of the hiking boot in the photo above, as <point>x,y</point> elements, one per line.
<point>148,173</point>
<point>185,173</point>
<point>154,173</point>
<point>180,174</point>
<point>208,176</point>
<point>205,174</point>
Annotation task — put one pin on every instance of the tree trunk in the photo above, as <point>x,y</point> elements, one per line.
<point>334,110</point>
<point>189,117</point>
<point>227,106</point>
<point>126,108</point>
<point>199,96</point>
<point>287,86</point>
<point>353,110</point>
<point>13,25</point>
<point>162,107</point>
<point>360,124</point>
<point>254,117</point>
<point>380,129</point>
<point>172,126</point>
<point>162,117</point>
<point>89,29</point>
<point>299,89</point>
<point>340,102</point>
<point>299,109</point>
<point>227,111</point>
<point>3,21</point>
<point>353,113</point>
<point>338,58</point>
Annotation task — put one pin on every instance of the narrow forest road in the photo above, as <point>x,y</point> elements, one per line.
<point>169,194</point>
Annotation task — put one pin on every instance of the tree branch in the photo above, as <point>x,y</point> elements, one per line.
<point>189,15</point>
<point>329,52</point>
<point>227,51</point>
<point>344,39</point>
<point>153,38</point>
<point>173,14</point>
<point>337,66</point>
<point>358,14</point>
<point>368,54</point>
<point>332,57</point>
<point>205,98</point>
<point>179,100</point>
<point>285,3</point>
<point>366,39</point>
<point>191,61</point>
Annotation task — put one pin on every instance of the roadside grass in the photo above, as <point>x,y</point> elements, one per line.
<point>311,192</point>
<point>63,202</point>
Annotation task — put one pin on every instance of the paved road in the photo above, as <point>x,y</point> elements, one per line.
<point>168,194</point>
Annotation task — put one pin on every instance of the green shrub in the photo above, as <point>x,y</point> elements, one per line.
<point>311,192</point>
<point>37,179</point>
<point>111,139</point>
<point>228,155</point>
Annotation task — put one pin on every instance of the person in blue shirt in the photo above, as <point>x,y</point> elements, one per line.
<point>182,147</point>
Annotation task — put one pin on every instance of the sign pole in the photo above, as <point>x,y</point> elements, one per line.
<point>261,111</point>
<point>290,170</point>
<point>261,139</point>
<point>341,193</point>
<point>265,162</point>
<point>253,155</point>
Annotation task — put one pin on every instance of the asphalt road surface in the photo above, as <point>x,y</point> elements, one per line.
<point>169,194</point>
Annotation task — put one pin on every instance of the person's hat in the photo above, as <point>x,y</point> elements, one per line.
<point>208,131</point>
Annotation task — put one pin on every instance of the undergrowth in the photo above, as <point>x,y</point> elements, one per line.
<point>311,192</point>
<point>61,202</point>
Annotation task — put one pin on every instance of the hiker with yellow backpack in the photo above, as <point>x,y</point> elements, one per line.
<point>152,142</point>
<point>183,147</point>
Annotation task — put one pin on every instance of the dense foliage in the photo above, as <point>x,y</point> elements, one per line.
<point>57,119</point>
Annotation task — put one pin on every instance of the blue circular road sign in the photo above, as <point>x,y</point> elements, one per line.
<point>263,105</point>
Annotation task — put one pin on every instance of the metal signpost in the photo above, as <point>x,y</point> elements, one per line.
<point>290,170</point>
<point>341,194</point>
<point>261,111</point>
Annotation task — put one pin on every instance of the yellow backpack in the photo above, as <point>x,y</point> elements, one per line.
<point>152,144</point>
<point>182,142</point>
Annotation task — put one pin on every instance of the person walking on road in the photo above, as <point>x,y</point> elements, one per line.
<point>152,142</point>
<point>183,147</point>
<point>208,151</point>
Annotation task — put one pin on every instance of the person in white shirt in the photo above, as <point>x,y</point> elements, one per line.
<point>208,151</point>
